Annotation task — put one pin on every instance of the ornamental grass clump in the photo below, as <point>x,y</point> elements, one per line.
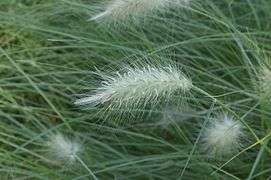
<point>174,128</point>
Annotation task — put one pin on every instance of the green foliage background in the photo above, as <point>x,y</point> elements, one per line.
<point>48,49</point>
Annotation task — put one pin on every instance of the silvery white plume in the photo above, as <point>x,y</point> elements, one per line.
<point>63,149</point>
<point>122,9</point>
<point>138,86</point>
<point>223,136</point>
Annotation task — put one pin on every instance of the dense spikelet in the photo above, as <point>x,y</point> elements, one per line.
<point>138,87</point>
<point>122,9</point>
<point>223,135</point>
<point>63,149</point>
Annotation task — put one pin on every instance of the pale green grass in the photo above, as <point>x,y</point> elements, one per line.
<point>48,49</point>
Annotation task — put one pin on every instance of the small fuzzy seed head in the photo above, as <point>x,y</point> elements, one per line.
<point>63,149</point>
<point>123,9</point>
<point>223,135</point>
<point>138,86</point>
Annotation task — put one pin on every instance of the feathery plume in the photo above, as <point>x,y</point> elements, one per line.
<point>223,135</point>
<point>63,149</point>
<point>138,87</point>
<point>122,9</point>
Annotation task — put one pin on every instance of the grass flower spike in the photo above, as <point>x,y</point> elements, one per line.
<point>63,149</point>
<point>223,135</point>
<point>122,9</point>
<point>138,87</point>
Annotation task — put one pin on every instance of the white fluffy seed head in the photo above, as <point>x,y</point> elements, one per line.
<point>138,86</point>
<point>123,9</point>
<point>63,149</point>
<point>223,135</point>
